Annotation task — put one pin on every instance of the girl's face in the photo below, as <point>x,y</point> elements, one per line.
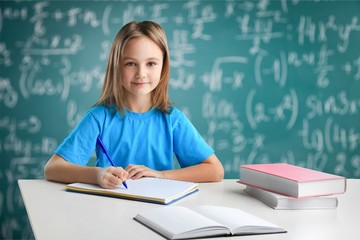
<point>142,63</point>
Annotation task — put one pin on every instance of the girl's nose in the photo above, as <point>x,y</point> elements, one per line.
<point>141,73</point>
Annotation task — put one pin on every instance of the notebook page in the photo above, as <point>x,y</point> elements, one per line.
<point>233,218</point>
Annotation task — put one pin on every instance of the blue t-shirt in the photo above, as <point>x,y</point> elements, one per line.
<point>148,139</point>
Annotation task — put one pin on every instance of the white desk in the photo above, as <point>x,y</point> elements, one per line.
<point>57,214</point>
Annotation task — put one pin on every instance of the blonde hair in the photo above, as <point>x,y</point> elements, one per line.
<point>112,92</point>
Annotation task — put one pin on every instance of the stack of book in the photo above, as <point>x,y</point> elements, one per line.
<point>285,186</point>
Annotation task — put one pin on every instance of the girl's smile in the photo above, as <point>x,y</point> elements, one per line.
<point>139,84</point>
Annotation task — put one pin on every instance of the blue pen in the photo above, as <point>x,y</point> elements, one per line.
<point>104,150</point>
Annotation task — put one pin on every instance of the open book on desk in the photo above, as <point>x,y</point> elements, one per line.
<point>155,190</point>
<point>177,222</point>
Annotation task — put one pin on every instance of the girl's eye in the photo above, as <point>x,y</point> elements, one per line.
<point>130,64</point>
<point>152,64</point>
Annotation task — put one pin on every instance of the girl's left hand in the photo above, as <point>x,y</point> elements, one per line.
<point>139,171</point>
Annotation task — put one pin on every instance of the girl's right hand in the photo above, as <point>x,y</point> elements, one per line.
<point>110,177</point>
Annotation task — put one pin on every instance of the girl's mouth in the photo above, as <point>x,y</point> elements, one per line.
<point>139,84</point>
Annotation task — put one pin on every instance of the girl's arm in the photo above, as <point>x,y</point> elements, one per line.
<point>210,170</point>
<point>59,170</point>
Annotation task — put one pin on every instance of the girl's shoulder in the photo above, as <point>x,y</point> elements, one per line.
<point>101,111</point>
<point>177,116</point>
<point>176,113</point>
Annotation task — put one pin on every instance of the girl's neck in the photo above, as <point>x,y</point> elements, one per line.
<point>138,104</point>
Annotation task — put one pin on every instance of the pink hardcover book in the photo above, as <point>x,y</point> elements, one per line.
<point>291,180</point>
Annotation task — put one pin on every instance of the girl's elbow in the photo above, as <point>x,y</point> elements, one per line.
<point>51,168</point>
<point>219,176</point>
<point>217,169</point>
<point>217,172</point>
<point>47,172</point>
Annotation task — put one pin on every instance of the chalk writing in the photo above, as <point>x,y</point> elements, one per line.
<point>5,57</point>
<point>7,93</point>
<point>258,112</point>
<point>216,79</point>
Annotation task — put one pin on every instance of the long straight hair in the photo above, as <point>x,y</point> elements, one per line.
<point>113,93</point>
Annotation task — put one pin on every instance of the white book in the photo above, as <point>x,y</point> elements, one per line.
<point>177,222</point>
<point>278,201</point>
<point>155,190</point>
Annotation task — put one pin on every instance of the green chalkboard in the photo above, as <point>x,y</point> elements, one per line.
<point>263,81</point>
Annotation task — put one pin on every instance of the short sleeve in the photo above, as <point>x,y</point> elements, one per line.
<point>189,146</point>
<point>79,145</point>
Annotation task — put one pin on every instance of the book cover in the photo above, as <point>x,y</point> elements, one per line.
<point>291,180</point>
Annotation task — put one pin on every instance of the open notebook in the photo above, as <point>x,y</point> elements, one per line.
<point>177,222</point>
<point>155,190</point>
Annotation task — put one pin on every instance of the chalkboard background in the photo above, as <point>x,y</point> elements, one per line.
<point>263,81</point>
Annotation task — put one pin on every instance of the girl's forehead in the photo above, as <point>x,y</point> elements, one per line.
<point>142,47</point>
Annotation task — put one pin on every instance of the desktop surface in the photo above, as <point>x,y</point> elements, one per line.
<point>55,213</point>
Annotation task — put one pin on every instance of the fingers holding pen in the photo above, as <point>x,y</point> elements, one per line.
<point>110,177</point>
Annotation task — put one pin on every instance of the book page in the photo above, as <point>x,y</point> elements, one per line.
<point>181,222</point>
<point>144,188</point>
<point>237,220</point>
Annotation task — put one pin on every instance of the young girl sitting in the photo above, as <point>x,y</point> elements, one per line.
<point>136,121</point>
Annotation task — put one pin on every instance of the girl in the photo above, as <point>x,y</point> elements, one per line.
<point>135,121</point>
